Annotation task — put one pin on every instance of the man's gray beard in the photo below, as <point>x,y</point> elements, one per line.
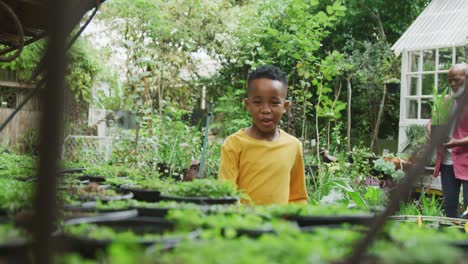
<point>460,91</point>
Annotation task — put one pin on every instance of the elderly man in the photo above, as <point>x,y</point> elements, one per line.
<point>452,157</point>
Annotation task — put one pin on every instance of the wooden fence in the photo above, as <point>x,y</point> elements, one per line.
<point>13,134</point>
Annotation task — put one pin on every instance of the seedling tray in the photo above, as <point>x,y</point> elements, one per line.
<point>200,200</point>
<point>142,194</point>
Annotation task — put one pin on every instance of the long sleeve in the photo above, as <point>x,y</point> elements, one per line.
<point>297,188</point>
<point>229,166</point>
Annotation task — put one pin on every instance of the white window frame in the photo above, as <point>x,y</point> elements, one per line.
<point>405,79</point>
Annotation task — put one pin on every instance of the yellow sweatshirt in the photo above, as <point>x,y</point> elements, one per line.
<point>269,172</point>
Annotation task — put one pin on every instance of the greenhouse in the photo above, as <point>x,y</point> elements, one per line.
<point>233,131</point>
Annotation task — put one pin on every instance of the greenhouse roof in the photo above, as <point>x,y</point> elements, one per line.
<point>444,23</point>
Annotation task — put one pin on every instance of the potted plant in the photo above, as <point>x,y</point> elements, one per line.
<point>440,110</point>
<point>148,190</point>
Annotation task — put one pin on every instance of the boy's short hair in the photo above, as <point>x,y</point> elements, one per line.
<point>270,72</point>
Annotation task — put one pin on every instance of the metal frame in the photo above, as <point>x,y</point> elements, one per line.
<point>63,16</point>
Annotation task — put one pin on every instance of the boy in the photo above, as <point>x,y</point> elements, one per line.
<point>263,161</point>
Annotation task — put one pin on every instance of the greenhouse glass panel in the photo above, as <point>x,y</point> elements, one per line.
<point>461,54</point>
<point>414,61</point>
<point>412,109</point>
<point>425,109</point>
<point>427,84</point>
<point>429,60</point>
<point>442,82</point>
<point>445,58</point>
<point>413,84</point>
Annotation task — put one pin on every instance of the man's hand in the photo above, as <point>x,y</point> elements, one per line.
<point>427,130</point>
<point>456,142</point>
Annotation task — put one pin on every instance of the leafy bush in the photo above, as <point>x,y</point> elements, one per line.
<point>15,195</point>
<point>440,107</point>
<point>17,166</point>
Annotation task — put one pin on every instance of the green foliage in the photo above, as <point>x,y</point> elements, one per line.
<point>423,206</point>
<point>287,34</point>
<point>110,171</point>
<point>8,233</point>
<point>17,166</point>
<point>411,244</point>
<point>308,210</point>
<point>15,195</point>
<point>193,219</point>
<point>27,61</point>
<point>178,143</point>
<point>440,107</point>
<point>415,138</point>
<point>231,112</point>
<point>73,258</point>
<point>93,231</point>
<point>369,65</point>
<point>386,167</point>
<point>211,188</point>
<point>82,70</point>
<point>366,20</point>
<point>322,246</point>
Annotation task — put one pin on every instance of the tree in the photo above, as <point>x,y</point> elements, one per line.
<point>289,35</point>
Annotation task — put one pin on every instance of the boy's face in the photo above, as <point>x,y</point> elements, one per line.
<point>266,103</point>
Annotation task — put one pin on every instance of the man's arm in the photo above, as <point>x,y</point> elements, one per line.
<point>297,185</point>
<point>229,165</point>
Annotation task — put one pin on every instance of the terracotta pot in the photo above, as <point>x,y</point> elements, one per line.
<point>400,164</point>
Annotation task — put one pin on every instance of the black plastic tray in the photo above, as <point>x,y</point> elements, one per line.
<point>15,251</point>
<point>200,200</point>
<point>124,196</point>
<point>88,247</point>
<point>152,212</point>
<point>304,221</point>
<point>92,178</point>
<point>142,194</point>
<point>71,170</point>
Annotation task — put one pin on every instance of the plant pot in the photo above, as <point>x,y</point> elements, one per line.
<point>142,194</point>
<point>440,131</point>
<point>400,164</point>
<point>200,200</point>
